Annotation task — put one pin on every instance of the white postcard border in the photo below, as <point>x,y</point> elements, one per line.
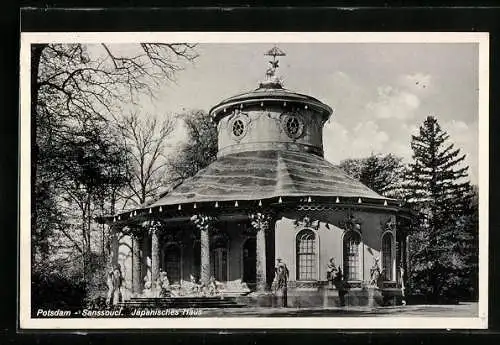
<point>344,322</point>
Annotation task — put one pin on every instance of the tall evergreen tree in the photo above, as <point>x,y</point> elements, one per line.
<point>382,173</point>
<point>437,187</point>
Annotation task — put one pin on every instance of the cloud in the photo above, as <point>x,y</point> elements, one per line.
<point>362,140</point>
<point>340,90</point>
<point>383,123</point>
<point>394,103</point>
<point>411,128</point>
<point>402,98</point>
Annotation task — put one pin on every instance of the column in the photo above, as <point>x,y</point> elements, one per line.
<point>113,246</point>
<point>261,260</point>
<point>404,256</point>
<point>136,264</point>
<point>155,255</point>
<point>260,223</point>
<point>204,256</point>
<point>404,265</point>
<point>204,224</point>
<point>398,257</point>
<point>146,275</point>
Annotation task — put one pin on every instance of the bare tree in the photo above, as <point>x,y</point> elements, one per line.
<point>77,88</point>
<point>145,139</point>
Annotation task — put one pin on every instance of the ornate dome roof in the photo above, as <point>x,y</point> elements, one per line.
<point>268,93</point>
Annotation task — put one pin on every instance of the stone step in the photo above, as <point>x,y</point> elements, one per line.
<point>183,306</point>
<point>182,302</point>
<point>178,298</point>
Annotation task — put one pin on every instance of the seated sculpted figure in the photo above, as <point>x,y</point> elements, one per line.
<point>212,286</point>
<point>164,284</point>
<point>147,292</point>
<point>195,287</point>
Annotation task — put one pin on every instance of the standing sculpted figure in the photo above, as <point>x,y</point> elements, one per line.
<point>281,278</point>
<point>375,272</point>
<point>114,283</point>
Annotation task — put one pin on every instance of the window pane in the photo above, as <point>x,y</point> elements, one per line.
<point>351,256</point>
<point>306,257</point>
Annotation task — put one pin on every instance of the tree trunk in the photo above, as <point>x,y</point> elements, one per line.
<point>113,247</point>
<point>89,224</point>
<point>84,243</point>
<point>36,53</point>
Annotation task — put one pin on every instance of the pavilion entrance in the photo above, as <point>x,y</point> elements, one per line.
<point>171,262</point>
<point>250,261</point>
<point>219,257</point>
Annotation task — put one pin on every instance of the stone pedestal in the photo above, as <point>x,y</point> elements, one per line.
<point>331,297</point>
<point>375,297</point>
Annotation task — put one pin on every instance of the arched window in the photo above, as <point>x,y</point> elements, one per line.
<point>351,255</point>
<point>172,262</point>
<point>306,255</point>
<point>387,256</point>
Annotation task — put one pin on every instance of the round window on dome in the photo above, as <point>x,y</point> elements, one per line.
<point>293,126</point>
<point>238,128</point>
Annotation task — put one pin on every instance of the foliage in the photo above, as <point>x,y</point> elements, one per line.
<point>56,288</point>
<point>437,188</point>
<point>200,149</point>
<point>382,173</point>
<point>78,158</point>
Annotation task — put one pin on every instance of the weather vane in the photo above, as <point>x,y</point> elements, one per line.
<point>271,72</point>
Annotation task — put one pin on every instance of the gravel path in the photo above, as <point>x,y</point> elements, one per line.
<point>460,310</point>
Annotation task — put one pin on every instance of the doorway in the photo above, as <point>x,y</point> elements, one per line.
<point>172,262</point>
<point>249,261</point>
<point>219,257</point>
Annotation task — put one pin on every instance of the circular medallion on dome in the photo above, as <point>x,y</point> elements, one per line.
<point>238,127</point>
<point>293,125</point>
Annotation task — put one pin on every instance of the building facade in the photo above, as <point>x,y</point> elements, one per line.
<point>270,194</point>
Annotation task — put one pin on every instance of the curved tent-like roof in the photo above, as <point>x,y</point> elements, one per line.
<point>256,175</point>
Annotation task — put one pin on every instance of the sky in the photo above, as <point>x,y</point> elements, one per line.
<point>380,92</point>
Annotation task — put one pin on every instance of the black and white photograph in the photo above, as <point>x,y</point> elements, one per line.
<point>254,180</point>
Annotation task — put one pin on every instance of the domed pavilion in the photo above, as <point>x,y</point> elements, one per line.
<point>269,195</point>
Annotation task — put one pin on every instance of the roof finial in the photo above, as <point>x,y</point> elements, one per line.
<point>272,79</point>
